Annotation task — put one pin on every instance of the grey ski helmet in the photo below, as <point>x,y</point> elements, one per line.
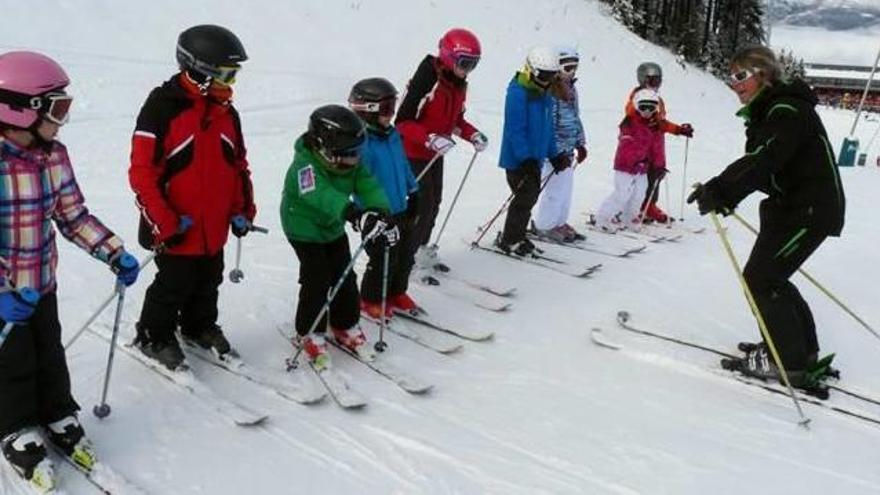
<point>649,72</point>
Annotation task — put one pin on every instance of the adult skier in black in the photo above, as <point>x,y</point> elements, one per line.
<point>788,158</point>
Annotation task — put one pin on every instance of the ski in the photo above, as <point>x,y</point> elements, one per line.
<point>386,370</point>
<point>547,262</point>
<point>438,342</point>
<point>623,318</point>
<point>589,247</point>
<point>283,386</point>
<point>102,477</point>
<point>479,299</point>
<point>340,391</point>
<point>493,289</point>
<point>422,317</point>
<point>187,381</point>
<point>597,337</point>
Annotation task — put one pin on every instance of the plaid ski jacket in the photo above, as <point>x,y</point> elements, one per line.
<point>38,187</point>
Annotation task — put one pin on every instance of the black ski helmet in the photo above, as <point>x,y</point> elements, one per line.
<point>210,52</point>
<point>335,132</point>
<point>371,98</point>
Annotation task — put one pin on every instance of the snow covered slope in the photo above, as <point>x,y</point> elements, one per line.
<point>539,409</point>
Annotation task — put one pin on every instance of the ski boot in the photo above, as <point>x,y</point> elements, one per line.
<point>315,348</point>
<point>354,340</point>
<point>571,234</point>
<point>212,339</point>
<point>165,352</point>
<point>25,452</point>
<point>821,370</point>
<point>373,311</point>
<point>68,435</point>
<point>429,280</point>
<point>759,364</point>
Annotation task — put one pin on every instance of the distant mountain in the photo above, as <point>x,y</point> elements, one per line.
<point>834,15</point>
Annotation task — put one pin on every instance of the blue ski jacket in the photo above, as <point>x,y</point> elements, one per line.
<point>383,156</point>
<point>567,119</point>
<point>528,124</point>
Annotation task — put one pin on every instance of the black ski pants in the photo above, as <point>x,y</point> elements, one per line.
<point>652,193</point>
<point>34,380</point>
<point>430,196</point>
<point>320,267</point>
<point>525,184</point>
<point>776,255</point>
<point>183,293</point>
<point>400,263</point>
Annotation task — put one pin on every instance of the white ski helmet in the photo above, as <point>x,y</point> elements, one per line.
<point>646,101</point>
<point>542,64</point>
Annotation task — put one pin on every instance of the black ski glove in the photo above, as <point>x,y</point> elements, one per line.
<point>709,199</point>
<point>561,162</point>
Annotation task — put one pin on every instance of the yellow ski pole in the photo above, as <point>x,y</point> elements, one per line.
<point>805,421</point>
<point>816,283</point>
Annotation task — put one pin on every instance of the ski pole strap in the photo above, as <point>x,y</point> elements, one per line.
<point>762,324</point>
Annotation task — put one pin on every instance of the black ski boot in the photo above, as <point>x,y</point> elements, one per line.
<point>166,352</point>
<point>759,364</point>
<point>211,338</point>
<point>68,435</point>
<point>25,452</point>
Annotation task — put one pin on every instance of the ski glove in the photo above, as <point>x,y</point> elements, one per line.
<point>581,153</point>
<point>375,225</point>
<point>480,141</point>
<point>126,268</point>
<point>17,306</point>
<point>412,204</point>
<point>439,143</point>
<point>686,130</point>
<point>708,199</point>
<point>240,225</point>
<point>183,224</point>
<point>560,162</point>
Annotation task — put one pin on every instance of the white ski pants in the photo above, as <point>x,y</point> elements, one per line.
<point>555,202</point>
<point>626,199</point>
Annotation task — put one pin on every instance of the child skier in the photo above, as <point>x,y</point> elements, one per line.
<point>639,149</point>
<point>555,202</point>
<point>650,76</point>
<point>39,188</point>
<point>374,100</point>
<point>432,111</point>
<point>190,174</point>
<point>316,202</point>
<point>527,141</point>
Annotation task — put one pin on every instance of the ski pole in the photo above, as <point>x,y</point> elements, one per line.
<point>666,200</point>
<point>648,200</point>
<point>30,297</point>
<point>380,346</point>
<point>805,421</point>
<point>818,285</point>
<point>454,200</point>
<point>236,275</point>
<point>485,228</point>
<point>146,261</point>
<point>684,175</point>
<point>428,166</point>
<point>292,361</point>
<point>102,410</point>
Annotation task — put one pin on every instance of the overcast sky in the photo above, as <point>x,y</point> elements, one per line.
<point>857,47</point>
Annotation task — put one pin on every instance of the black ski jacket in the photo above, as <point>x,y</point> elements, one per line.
<point>788,157</point>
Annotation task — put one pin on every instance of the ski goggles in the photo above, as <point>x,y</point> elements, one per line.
<point>467,63</point>
<point>647,108</point>
<point>569,67</point>
<point>384,107</point>
<point>53,106</point>
<point>544,77</point>
<point>653,81</point>
<point>740,77</point>
<point>224,74</point>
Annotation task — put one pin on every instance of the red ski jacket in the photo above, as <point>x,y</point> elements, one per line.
<point>188,158</point>
<point>433,104</point>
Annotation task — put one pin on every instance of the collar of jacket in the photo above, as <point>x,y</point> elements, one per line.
<point>523,79</point>
<point>445,74</point>
<point>190,90</point>
<point>750,109</point>
<point>378,132</point>
<point>9,147</point>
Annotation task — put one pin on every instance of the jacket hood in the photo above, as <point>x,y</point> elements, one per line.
<point>793,89</point>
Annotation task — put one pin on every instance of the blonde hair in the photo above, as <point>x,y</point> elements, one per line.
<point>758,58</point>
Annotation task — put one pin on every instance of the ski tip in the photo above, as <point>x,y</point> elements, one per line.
<point>623,316</point>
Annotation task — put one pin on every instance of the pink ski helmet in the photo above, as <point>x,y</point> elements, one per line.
<point>460,48</point>
<point>32,85</point>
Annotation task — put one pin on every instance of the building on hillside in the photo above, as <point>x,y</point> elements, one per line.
<point>842,86</point>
